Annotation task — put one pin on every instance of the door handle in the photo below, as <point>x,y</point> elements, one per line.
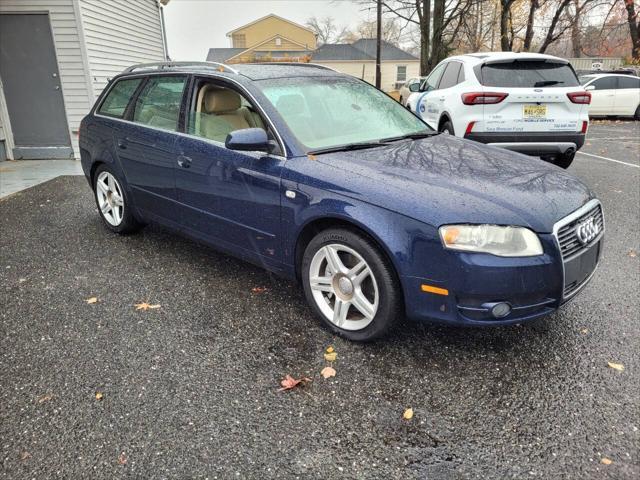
<point>184,162</point>
<point>442,99</point>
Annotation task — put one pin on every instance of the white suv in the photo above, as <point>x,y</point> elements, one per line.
<point>526,102</point>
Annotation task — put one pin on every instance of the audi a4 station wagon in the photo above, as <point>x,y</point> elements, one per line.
<point>320,177</point>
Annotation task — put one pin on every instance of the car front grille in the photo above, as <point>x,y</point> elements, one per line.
<point>570,246</point>
<point>579,260</point>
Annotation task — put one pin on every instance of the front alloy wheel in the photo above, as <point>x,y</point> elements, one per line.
<point>350,284</point>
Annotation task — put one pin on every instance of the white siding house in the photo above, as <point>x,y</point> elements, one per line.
<point>84,43</point>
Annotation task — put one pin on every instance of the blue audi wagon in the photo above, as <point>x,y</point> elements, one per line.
<point>320,177</point>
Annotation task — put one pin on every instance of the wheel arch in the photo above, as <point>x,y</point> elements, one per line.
<point>315,225</point>
<point>444,117</point>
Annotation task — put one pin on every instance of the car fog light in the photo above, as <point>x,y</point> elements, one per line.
<point>500,310</point>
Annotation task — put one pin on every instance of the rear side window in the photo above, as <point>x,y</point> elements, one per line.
<point>118,98</point>
<point>628,82</point>
<point>450,76</point>
<point>605,83</point>
<point>158,105</point>
<point>528,74</point>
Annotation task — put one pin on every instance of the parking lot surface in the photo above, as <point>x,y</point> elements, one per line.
<point>190,389</point>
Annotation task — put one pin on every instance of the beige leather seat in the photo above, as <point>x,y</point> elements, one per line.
<point>222,112</point>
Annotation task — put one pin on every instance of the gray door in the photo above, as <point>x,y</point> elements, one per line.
<point>31,81</point>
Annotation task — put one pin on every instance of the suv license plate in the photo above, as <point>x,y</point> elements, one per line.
<point>534,111</point>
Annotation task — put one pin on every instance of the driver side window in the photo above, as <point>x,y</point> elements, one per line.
<point>217,110</point>
<point>431,82</point>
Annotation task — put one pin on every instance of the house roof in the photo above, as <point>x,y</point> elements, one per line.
<point>362,50</point>
<point>223,54</point>
<point>387,50</point>
<point>267,16</point>
<point>339,51</point>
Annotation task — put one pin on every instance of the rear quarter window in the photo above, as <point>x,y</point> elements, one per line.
<point>116,101</point>
<point>528,74</point>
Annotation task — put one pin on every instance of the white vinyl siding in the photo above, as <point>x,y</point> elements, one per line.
<point>66,36</point>
<point>388,69</point>
<point>119,34</point>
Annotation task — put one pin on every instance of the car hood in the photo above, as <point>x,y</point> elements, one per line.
<point>443,179</point>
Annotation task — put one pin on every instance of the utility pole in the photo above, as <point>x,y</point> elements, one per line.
<point>378,45</point>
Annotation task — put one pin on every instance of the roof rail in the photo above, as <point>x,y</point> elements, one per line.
<point>220,67</point>
<point>297,64</point>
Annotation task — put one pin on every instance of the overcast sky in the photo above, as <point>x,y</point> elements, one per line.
<point>194,26</point>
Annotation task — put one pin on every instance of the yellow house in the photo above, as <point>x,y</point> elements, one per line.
<point>273,38</point>
<point>269,38</point>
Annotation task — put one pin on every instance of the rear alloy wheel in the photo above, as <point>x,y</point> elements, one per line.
<point>112,202</point>
<point>447,127</point>
<point>350,284</point>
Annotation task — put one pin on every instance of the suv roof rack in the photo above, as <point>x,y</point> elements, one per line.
<point>296,64</point>
<point>220,67</point>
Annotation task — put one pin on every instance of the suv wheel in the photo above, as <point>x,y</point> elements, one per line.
<point>447,127</point>
<point>636,116</point>
<point>564,160</point>
<point>112,201</point>
<point>350,285</point>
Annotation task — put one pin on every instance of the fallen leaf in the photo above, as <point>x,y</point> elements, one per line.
<point>92,300</point>
<point>288,382</point>
<point>329,349</point>
<point>25,455</point>
<point>259,289</point>
<point>99,395</point>
<point>328,372</point>
<point>330,357</point>
<point>606,461</point>
<point>122,459</point>
<point>632,253</point>
<point>584,331</point>
<point>145,306</point>
<point>311,156</point>
<point>45,398</point>
<point>616,366</point>
<point>408,414</point>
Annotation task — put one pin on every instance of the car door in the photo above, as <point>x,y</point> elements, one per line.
<point>428,103</point>
<point>603,95</point>
<point>229,198</point>
<point>442,101</point>
<point>627,95</point>
<point>146,145</point>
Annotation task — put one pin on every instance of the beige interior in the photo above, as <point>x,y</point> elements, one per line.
<point>220,111</point>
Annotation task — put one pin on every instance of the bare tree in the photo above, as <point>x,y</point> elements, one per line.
<point>327,31</point>
<point>634,28</point>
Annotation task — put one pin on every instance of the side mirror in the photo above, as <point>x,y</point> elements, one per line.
<point>248,140</point>
<point>414,87</point>
<point>590,87</point>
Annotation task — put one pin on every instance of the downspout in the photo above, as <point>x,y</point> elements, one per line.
<point>161,5</point>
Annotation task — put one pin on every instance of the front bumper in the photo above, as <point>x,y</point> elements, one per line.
<point>532,286</point>
<point>532,143</point>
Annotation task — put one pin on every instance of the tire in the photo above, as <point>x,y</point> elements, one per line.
<point>401,101</point>
<point>565,160</point>
<point>370,298</point>
<point>447,127</point>
<point>636,116</point>
<point>113,202</point>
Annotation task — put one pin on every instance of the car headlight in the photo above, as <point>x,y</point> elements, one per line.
<point>494,239</point>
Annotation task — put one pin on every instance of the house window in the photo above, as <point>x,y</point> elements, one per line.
<point>278,41</point>
<point>401,73</point>
<point>239,40</point>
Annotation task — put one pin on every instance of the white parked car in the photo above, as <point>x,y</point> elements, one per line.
<point>405,89</point>
<point>613,94</point>
<point>526,102</point>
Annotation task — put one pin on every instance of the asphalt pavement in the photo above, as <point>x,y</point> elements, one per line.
<point>190,389</point>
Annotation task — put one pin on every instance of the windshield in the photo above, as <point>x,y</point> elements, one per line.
<point>528,74</point>
<point>328,112</point>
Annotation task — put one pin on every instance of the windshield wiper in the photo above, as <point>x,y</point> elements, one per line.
<point>546,83</point>
<point>348,147</point>
<point>412,136</point>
